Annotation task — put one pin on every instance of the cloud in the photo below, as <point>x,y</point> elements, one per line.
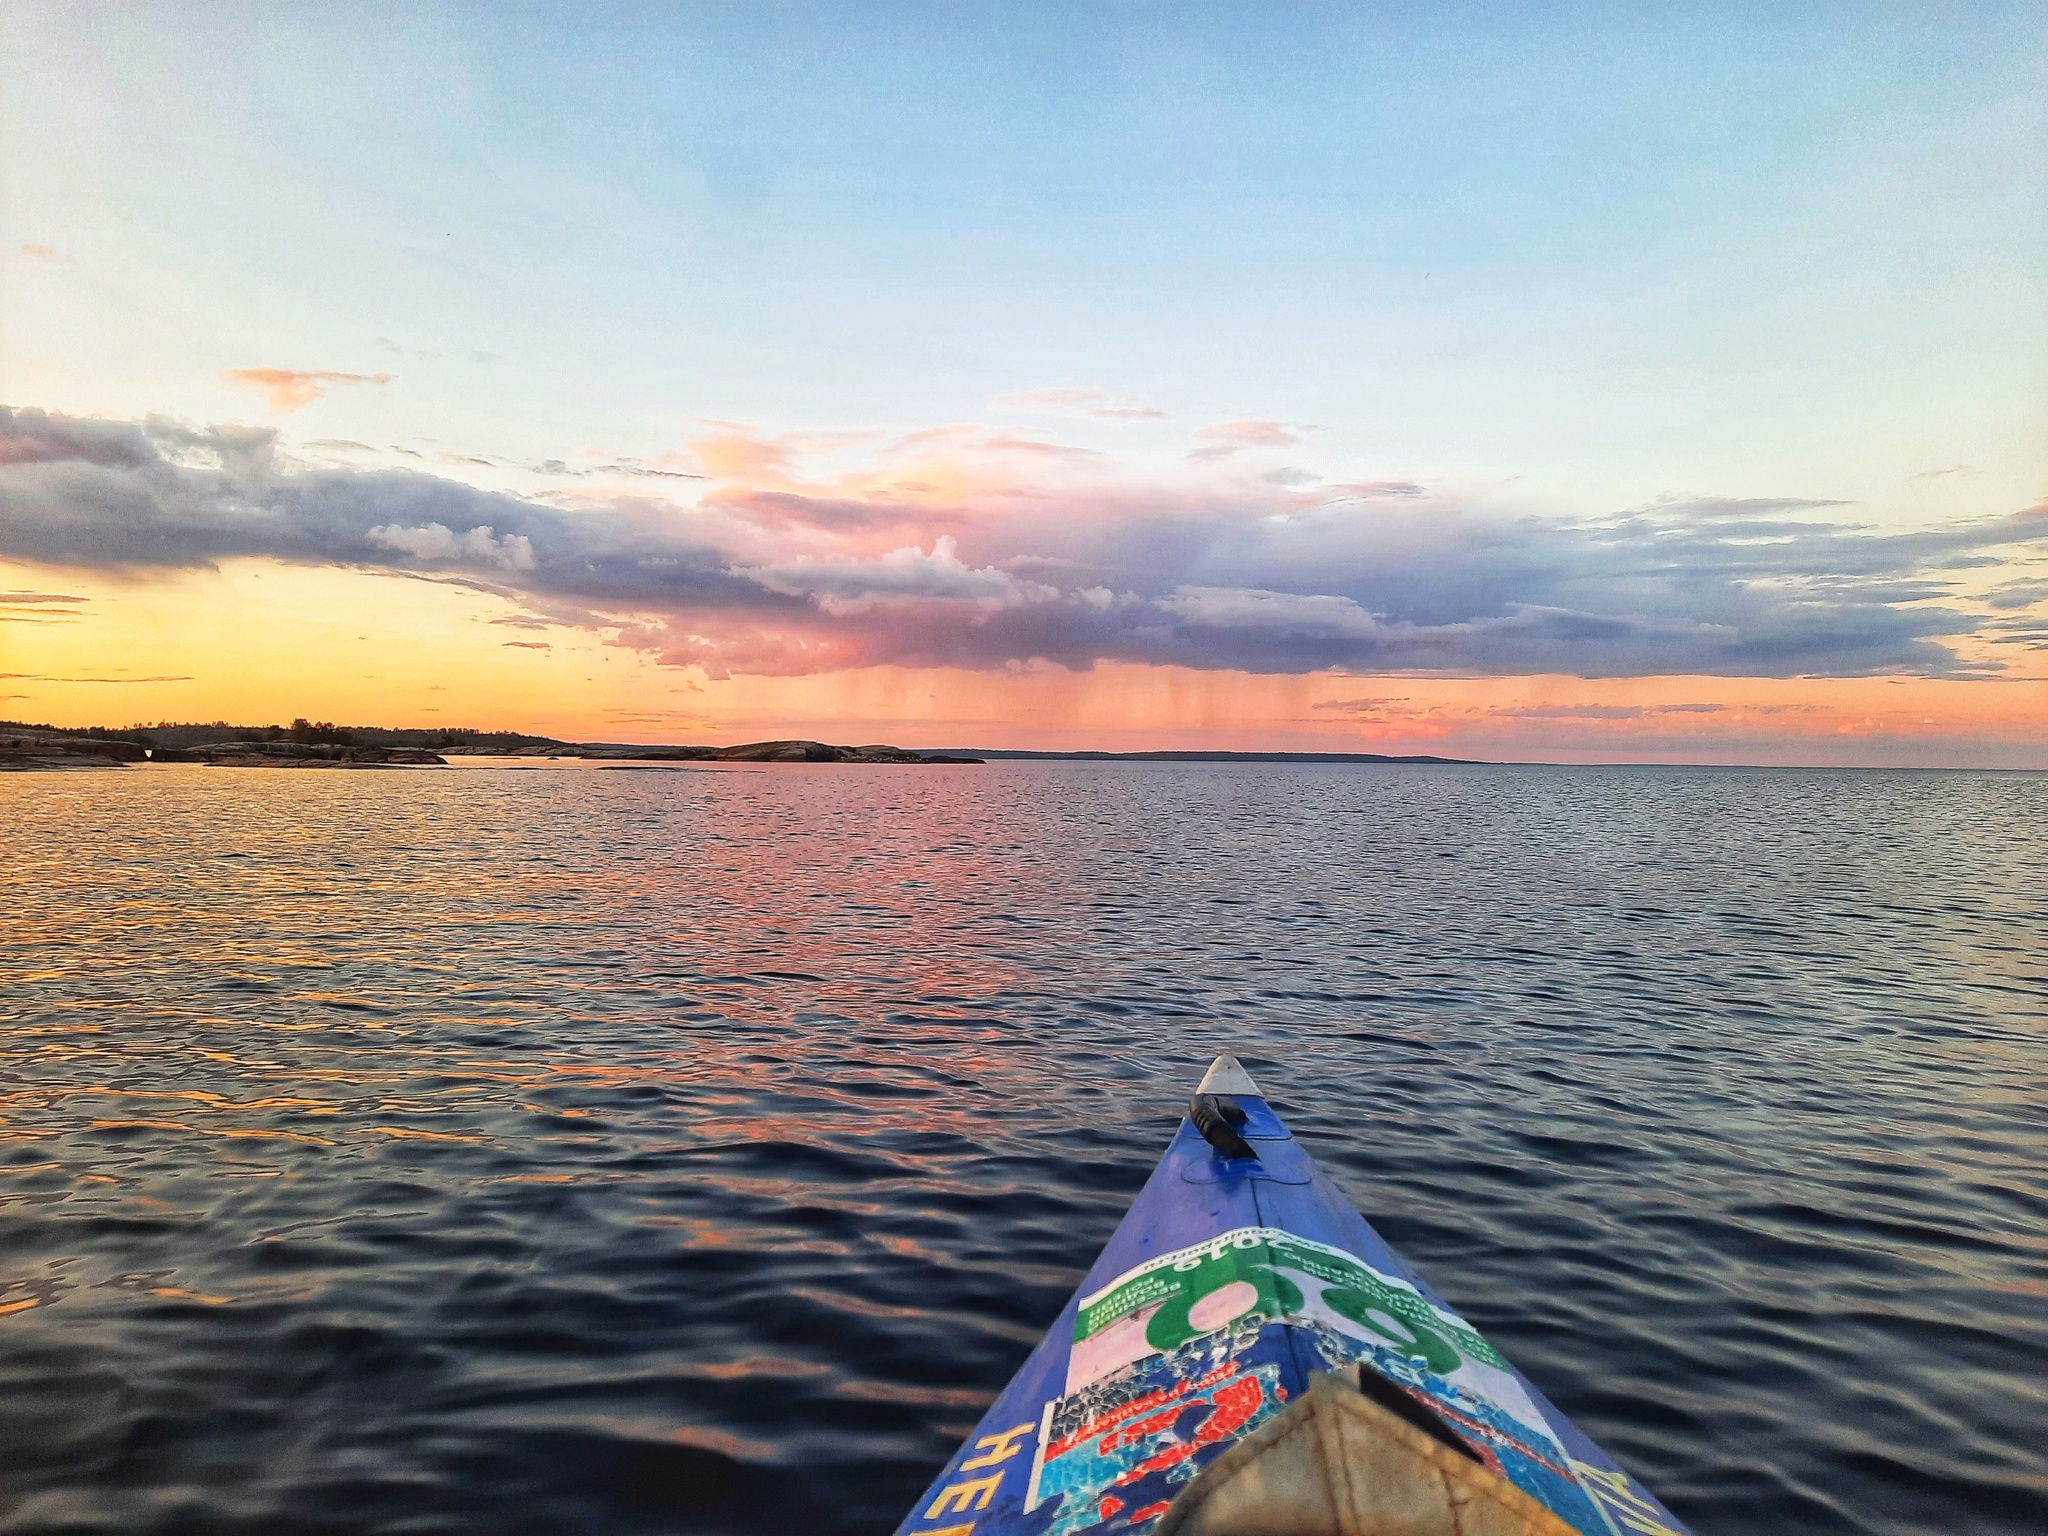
<point>1006,443</point>
<point>89,494</point>
<point>513,552</point>
<point>968,554</point>
<point>528,645</point>
<point>1749,508</point>
<point>620,466</point>
<point>39,608</point>
<point>1381,490</point>
<point>2022,592</point>
<point>733,453</point>
<point>38,252</point>
<point>1228,437</point>
<point>838,514</point>
<point>1397,710</point>
<point>1406,717</point>
<point>1571,712</point>
<point>290,388</point>
<point>1600,711</point>
<point>38,677</point>
<point>1529,711</point>
<point>1359,706</point>
<point>845,586</point>
<point>1081,402</point>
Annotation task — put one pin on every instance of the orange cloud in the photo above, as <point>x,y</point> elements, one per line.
<point>736,454</point>
<point>290,388</point>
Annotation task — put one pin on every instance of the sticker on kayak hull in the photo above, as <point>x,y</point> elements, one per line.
<point>1185,1351</point>
<point>1116,1452</point>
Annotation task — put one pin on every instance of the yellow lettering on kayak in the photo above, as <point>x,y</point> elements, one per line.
<point>999,1447</point>
<point>964,1496</point>
<point>1611,1491</point>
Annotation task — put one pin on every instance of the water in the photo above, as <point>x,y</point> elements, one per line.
<point>633,1151</point>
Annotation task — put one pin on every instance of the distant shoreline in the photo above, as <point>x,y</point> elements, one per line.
<point>995,753</point>
<point>309,744</point>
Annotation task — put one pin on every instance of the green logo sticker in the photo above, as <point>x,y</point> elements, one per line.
<point>1178,1296</point>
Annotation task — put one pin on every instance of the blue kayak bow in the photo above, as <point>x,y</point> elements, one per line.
<point>1248,1356</point>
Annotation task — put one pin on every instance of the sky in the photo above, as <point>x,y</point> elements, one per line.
<point>1563,383</point>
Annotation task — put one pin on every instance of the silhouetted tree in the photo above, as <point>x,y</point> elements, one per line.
<point>319,731</point>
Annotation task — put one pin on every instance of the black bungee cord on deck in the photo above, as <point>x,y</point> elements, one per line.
<point>1217,1116</point>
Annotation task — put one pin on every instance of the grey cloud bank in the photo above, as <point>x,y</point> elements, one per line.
<point>134,496</point>
<point>1269,580</point>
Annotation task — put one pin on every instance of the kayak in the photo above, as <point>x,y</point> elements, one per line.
<point>1249,1358</point>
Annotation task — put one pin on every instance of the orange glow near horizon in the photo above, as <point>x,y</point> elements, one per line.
<point>257,643</point>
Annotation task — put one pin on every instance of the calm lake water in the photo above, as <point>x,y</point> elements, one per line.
<point>574,1150</point>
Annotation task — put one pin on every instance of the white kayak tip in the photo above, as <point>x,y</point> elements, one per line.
<point>1226,1076</point>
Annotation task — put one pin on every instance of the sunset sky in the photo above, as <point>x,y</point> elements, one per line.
<point>1565,383</point>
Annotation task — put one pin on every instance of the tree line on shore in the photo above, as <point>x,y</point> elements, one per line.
<point>173,733</point>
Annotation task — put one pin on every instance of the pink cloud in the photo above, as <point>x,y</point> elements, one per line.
<point>980,550</point>
<point>1081,402</point>
<point>1228,437</point>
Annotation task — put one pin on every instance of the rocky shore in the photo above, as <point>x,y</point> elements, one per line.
<point>293,754</point>
<point>27,748</point>
<point>41,748</point>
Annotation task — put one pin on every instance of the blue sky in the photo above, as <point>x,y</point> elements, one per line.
<point>1617,250</point>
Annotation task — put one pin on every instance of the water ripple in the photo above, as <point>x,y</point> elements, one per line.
<point>561,1151</point>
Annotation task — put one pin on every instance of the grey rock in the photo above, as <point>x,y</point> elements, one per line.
<point>649,754</point>
<point>822,752</point>
<point>779,752</point>
<point>295,754</point>
<point>26,749</point>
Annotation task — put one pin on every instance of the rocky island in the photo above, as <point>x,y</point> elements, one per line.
<point>294,754</point>
<point>32,747</point>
